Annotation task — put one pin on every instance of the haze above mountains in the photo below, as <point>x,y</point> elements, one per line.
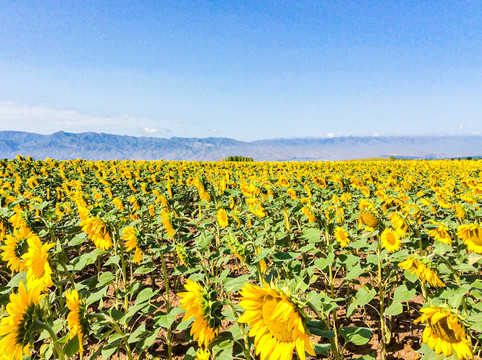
<point>99,146</point>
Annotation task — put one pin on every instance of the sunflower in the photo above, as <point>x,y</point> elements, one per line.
<point>308,214</point>
<point>166,222</point>
<point>76,319</point>
<point>445,332</point>
<point>15,246</point>
<point>276,323</point>
<point>423,269</point>
<point>36,261</point>
<point>292,193</point>
<point>367,218</point>
<point>471,235</point>
<point>97,232</point>
<point>206,311</point>
<point>440,233</point>
<point>342,236</point>
<point>399,224</point>
<point>222,217</point>
<point>130,237</point>
<point>390,240</point>
<point>17,329</point>
<point>118,204</point>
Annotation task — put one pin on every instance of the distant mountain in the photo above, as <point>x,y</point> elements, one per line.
<point>94,146</point>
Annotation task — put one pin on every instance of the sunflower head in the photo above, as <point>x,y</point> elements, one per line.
<point>202,305</point>
<point>368,218</point>
<point>277,324</point>
<point>212,308</point>
<point>445,332</point>
<point>78,323</point>
<point>390,240</point>
<point>18,330</point>
<point>423,268</point>
<point>471,235</point>
<point>222,217</point>
<point>341,235</point>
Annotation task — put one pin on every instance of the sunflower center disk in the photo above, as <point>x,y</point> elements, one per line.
<point>449,331</point>
<point>281,330</point>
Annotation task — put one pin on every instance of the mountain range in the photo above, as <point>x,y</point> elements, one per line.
<point>99,146</point>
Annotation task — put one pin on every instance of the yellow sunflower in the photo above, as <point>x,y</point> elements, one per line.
<point>390,240</point>
<point>399,224</point>
<point>445,333</point>
<point>198,304</point>
<point>276,324</point>
<point>342,236</point>
<point>76,319</point>
<point>130,237</point>
<point>471,235</point>
<point>166,222</point>
<point>37,264</point>
<point>440,233</point>
<point>15,246</point>
<point>367,218</point>
<point>308,214</point>
<point>16,329</point>
<point>222,217</point>
<point>423,270</point>
<point>97,232</point>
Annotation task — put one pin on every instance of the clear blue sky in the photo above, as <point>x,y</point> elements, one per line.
<point>242,69</point>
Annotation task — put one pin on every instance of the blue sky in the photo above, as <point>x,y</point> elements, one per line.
<point>242,69</point>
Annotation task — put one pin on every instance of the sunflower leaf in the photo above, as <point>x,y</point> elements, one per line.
<point>356,335</point>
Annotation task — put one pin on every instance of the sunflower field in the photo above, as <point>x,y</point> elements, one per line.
<point>240,260</point>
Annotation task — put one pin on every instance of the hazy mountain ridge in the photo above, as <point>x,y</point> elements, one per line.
<point>100,146</point>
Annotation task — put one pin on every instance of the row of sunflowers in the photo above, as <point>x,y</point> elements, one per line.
<point>228,260</point>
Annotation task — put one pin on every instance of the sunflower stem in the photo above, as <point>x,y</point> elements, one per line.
<point>53,336</point>
<point>381,296</point>
<point>116,328</point>
<point>123,264</point>
<point>332,293</point>
<point>168,305</point>
<point>333,340</point>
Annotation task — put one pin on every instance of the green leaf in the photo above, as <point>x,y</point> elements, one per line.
<point>322,349</point>
<point>17,279</point>
<point>145,295</point>
<point>145,269</point>
<point>235,284</point>
<point>72,346</point>
<point>113,260</point>
<point>183,325</point>
<point>96,296</point>
<point>403,294</point>
<point>394,309</point>
<point>364,297</point>
<point>356,335</point>
<point>203,241</point>
<point>312,235</point>
<point>322,263</point>
<point>284,256</point>
<point>317,328</point>
<point>262,254</point>
<point>166,321</point>
<point>78,239</point>
<point>354,272</point>
<point>137,334</point>
<point>106,278</point>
